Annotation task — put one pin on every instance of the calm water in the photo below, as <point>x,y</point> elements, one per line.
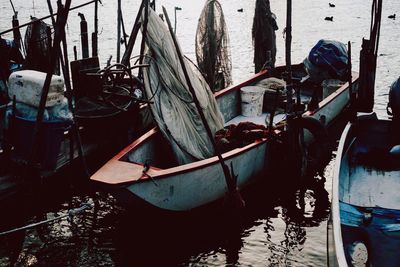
<point>271,231</point>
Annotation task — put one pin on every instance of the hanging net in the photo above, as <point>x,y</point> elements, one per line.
<point>173,107</point>
<point>37,47</point>
<point>264,39</point>
<point>212,47</point>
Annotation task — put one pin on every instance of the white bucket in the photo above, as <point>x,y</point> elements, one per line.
<point>252,100</point>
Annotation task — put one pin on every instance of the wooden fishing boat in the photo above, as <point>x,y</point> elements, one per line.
<point>147,171</point>
<point>105,115</point>
<point>365,201</point>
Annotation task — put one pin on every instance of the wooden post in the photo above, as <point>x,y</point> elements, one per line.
<point>132,37</point>
<point>65,67</point>
<point>96,30</point>
<point>144,36</point>
<point>84,36</point>
<point>124,35</point>
<point>230,181</point>
<point>350,81</point>
<point>60,24</point>
<point>119,31</point>
<point>288,47</point>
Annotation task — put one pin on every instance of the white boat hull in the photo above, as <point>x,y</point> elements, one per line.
<point>183,191</point>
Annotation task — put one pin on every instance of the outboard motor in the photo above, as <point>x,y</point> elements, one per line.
<point>393,107</point>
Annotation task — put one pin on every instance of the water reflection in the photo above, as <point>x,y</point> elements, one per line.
<point>306,206</point>
<point>273,226</point>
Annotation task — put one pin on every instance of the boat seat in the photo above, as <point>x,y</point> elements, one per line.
<point>378,157</point>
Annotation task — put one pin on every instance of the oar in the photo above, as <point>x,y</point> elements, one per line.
<point>230,181</point>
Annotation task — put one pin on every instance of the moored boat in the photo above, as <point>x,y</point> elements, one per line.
<point>363,228</point>
<point>365,202</point>
<point>184,162</point>
<point>147,168</point>
<point>77,118</point>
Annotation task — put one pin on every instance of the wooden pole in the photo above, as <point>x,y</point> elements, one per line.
<point>60,24</point>
<point>119,31</point>
<point>294,139</point>
<point>350,81</point>
<point>124,35</point>
<point>132,37</point>
<point>144,36</point>
<point>96,30</point>
<point>84,36</point>
<point>230,181</point>
<point>64,64</point>
<point>288,46</point>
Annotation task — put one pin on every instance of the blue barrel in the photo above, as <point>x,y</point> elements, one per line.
<point>50,139</point>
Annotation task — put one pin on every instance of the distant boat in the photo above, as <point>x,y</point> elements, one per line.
<point>329,18</point>
<point>240,10</point>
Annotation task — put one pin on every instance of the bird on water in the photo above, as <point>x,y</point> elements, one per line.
<point>392,16</point>
<point>331,5</point>
<point>329,18</point>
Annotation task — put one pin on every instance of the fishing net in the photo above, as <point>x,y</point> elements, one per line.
<point>264,38</point>
<point>173,107</point>
<point>212,47</point>
<point>37,47</point>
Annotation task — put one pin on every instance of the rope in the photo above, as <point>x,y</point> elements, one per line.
<point>71,213</point>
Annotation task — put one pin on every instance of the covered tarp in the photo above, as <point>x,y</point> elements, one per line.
<point>212,46</point>
<point>328,59</point>
<point>173,107</point>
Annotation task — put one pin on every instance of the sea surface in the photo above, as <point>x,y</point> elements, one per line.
<point>272,230</point>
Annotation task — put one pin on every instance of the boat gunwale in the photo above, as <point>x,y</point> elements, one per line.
<point>337,229</point>
<point>177,170</point>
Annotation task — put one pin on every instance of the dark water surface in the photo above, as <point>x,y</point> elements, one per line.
<point>272,230</point>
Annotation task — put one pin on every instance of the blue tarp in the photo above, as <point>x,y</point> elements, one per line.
<point>379,218</point>
<point>327,60</point>
<point>377,228</point>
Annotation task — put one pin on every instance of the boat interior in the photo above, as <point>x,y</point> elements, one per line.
<point>371,175</point>
<point>155,151</point>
